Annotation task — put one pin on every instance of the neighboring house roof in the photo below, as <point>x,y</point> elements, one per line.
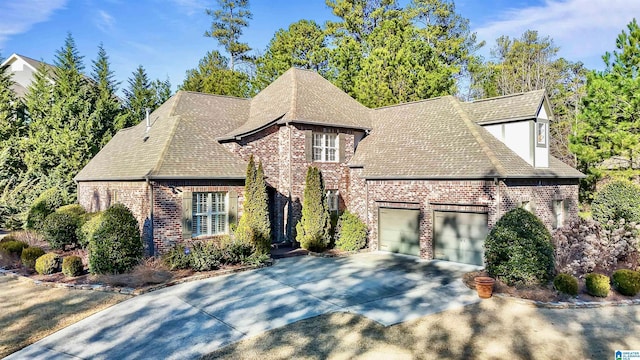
<point>180,143</point>
<point>303,96</point>
<point>439,139</point>
<point>504,108</point>
<point>20,86</point>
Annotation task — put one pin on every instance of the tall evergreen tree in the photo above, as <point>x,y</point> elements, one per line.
<point>245,231</point>
<point>302,45</point>
<point>139,96</point>
<point>162,91</point>
<point>106,107</point>
<point>313,230</point>
<point>229,20</point>
<point>610,119</point>
<point>213,76</point>
<point>262,223</point>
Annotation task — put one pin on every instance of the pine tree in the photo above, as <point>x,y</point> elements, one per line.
<point>228,22</point>
<point>139,96</point>
<point>313,230</point>
<point>106,106</point>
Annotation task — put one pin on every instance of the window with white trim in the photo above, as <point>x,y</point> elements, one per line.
<point>325,147</point>
<point>332,200</point>
<point>209,213</point>
<point>558,213</point>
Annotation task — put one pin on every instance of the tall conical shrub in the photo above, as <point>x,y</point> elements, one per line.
<point>244,232</point>
<point>313,230</point>
<point>254,226</point>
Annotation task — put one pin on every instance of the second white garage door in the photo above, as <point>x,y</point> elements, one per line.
<point>459,236</point>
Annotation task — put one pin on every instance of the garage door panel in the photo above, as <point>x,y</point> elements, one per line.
<point>399,230</point>
<point>459,236</point>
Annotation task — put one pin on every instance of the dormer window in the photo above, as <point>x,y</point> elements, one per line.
<point>325,147</point>
<point>541,134</point>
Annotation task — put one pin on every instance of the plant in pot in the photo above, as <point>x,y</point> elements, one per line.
<point>484,285</point>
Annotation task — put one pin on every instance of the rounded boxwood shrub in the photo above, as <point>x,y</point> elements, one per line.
<point>75,209</point>
<point>90,223</point>
<point>44,205</point>
<point>30,255</point>
<point>59,229</point>
<point>116,246</point>
<point>626,282</point>
<point>72,266</point>
<point>351,232</point>
<point>48,263</point>
<point>597,284</point>
<point>13,247</point>
<point>617,200</point>
<point>518,249</point>
<point>566,283</point>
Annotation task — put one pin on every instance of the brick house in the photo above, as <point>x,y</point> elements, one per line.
<point>429,178</point>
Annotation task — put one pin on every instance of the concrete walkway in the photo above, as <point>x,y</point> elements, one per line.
<point>188,320</point>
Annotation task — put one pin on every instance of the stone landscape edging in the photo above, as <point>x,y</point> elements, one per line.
<point>578,304</point>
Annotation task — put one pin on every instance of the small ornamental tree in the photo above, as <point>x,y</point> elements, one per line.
<point>518,249</point>
<point>313,230</point>
<point>116,246</point>
<point>254,226</point>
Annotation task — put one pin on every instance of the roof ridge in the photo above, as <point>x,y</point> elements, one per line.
<point>294,95</point>
<point>212,95</point>
<point>504,96</point>
<point>172,133</point>
<point>412,102</point>
<point>476,134</point>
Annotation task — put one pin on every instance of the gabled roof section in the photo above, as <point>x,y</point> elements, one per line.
<point>437,139</point>
<point>303,96</point>
<point>506,108</point>
<point>180,143</point>
<point>33,63</point>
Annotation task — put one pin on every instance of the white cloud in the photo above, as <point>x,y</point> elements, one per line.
<point>583,29</point>
<point>191,7</point>
<point>17,17</point>
<point>105,22</point>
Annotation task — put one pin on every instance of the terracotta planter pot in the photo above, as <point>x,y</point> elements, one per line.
<point>484,285</point>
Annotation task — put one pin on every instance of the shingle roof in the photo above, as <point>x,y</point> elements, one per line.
<point>438,138</point>
<point>303,96</point>
<point>509,107</point>
<point>180,145</point>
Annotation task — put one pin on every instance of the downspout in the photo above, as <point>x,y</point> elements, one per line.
<point>290,210</point>
<point>151,243</point>
<point>496,181</point>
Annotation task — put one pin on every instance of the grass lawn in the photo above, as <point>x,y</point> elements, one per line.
<point>28,312</point>
<point>492,329</point>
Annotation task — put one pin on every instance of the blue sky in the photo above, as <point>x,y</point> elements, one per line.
<point>166,36</point>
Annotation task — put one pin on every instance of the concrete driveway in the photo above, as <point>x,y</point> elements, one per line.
<point>188,320</point>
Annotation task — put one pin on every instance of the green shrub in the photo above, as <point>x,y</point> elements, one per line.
<point>30,255</point>
<point>48,263</point>
<point>72,266</point>
<point>617,200</point>
<point>75,209</point>
<point>90,223</point>
<point>627,282</point>
<point>566,283</point>
<point>351,232</point>
<point>235,252</point>
<point>597,284</point>
<point>59,229</point>
<point>13,247</point>
<point>44,205</point>
<point>314,228</point>
<point>8,238</point>
<point>177,258</point>
<point>206,256</point>
<point>518,249</point>
<point>116,246</point>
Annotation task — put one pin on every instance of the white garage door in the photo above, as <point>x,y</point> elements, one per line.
<point>459,236</point>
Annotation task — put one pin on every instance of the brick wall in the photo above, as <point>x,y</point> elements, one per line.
<point>167,207</point>
<point>99,195</point>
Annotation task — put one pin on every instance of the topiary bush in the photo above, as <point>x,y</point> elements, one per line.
<point>75,209</point>
<point>518,249</point>
<point>30,255</point>
<point>351,232</point>
<point>13,247</point>
<point>617,200</point>
<point>313,229</point>
<point>90,223</point>
<point>72,266</point>
<point>48,263</point>
<point>597,284</point>
<point>59,229</point>
<point>626,282</point>
<point>566,283</point>
<point>44,205</point>
<point>116,246</point>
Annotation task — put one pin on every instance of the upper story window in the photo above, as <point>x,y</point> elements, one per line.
<point>541,134</point>
<point>209,213</point>
<point>325,147</point>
